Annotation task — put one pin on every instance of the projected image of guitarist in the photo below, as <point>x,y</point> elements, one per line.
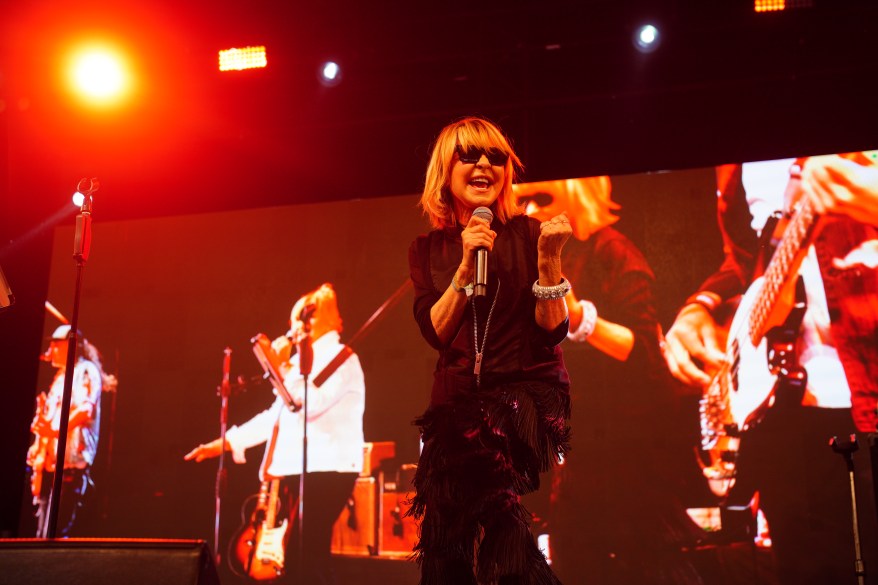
<point>266,547</point>
<point>801,361</point>
<point>82,434</point>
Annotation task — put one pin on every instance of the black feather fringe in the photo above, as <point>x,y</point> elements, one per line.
<point>481,453</point>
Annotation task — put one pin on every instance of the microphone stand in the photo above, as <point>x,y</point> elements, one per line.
<point>81,249</point>
<point>224,390</point>
<point>306,359</point>
<point>846,449</point>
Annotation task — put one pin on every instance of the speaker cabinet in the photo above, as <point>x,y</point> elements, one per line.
<point>355,531</point>
<point>374,523</point>
<point>105,562</point>
<point>399,533</point>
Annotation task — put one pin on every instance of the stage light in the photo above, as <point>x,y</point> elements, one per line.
<point>99,74</point>
<point>78,199</point>
<point>778,5</point>
<point>769,5</point>
<point>330,73</point>
<point>242,58</point>
<point>647,38</point>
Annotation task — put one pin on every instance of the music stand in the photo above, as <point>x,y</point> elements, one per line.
<point>271,373</point>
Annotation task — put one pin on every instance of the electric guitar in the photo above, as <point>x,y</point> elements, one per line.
<point>38,452</point>
<point>761,365</point>
<point>258,547</point>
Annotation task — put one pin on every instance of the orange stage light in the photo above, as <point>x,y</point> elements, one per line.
<point>769,5</point>
<point>99,74</point>
<point>243,58</point>
<point>778,5</point>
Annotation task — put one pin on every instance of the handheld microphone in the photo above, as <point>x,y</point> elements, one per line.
<point>87,187</point>
<point>480,283</point>
<point>225,388</point>
<point>306,355</point>
<point>82,236</point>
<point>227,359</point>
<point>304,349</point>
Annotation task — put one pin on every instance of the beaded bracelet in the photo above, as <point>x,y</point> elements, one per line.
<point>549,293</point>
<point>588,323</point>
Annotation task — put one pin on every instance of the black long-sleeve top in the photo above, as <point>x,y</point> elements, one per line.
<point>517,348</point>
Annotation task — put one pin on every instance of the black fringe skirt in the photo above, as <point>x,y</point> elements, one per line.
<point>481,453</point>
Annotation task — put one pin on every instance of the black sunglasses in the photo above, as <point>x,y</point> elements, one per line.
<point>473,154</point>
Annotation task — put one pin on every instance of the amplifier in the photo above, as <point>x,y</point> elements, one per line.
<point>355,532</point>
<point>398,532</point>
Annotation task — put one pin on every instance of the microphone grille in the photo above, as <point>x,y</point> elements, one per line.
<point>484,213</point>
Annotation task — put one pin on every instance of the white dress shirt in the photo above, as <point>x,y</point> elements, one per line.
<point>335,419</point>
<point>82,441</point>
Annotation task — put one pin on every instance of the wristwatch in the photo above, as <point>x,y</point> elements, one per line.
<point>468,289</point>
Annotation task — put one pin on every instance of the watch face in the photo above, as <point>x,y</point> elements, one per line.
<point>468,289</point>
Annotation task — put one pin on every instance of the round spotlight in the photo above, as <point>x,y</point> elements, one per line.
<point>330,73</point>
<point>78,199</point>
<point>647,38</point>
<point>99,74</point>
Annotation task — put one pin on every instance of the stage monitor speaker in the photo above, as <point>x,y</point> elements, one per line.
<point>104,562</point>
<point>355,531</point>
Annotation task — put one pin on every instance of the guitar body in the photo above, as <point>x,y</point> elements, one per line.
<point>38,466</point>
<point>763,373</point>
<point>252,560</point>
<point>38,452</point>
<point>257,549</point>
<point>758,377</point>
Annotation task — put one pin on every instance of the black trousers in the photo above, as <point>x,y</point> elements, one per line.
<point>74,484</point>
<point>481,453</point>
<point>326,494</point>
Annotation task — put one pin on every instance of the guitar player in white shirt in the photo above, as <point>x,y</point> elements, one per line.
<point>827,372</point>
<point>335,444</point>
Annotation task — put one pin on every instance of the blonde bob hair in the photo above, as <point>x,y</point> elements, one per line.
<point>326,316</point>
<point>436,201</point>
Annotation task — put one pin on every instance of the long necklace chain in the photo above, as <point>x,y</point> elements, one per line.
<point>480,350</point>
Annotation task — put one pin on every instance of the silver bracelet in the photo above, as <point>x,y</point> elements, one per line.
<point>587,325</point>
<point>550,293</point>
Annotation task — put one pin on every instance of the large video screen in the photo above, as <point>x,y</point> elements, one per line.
<point>167,301</point>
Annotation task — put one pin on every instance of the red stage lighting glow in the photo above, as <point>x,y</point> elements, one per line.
<point>243,58</point>
<point>99,74</point>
